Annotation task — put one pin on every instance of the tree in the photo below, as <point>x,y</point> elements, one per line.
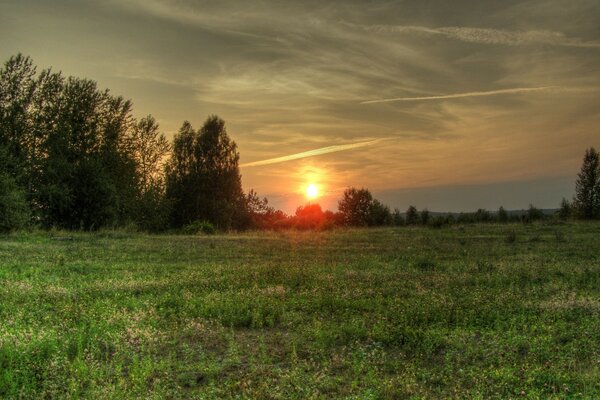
<point>257,212</point>
<point>149,148</point>
<point>425,216</point>
<point>309,216</point>
<point>502,215</point>
<point>586,203</point>
<point>379,214</point>
<point>355,207</point>
<point>412,216</point>
<point>397,218</point>
<point>564,212</point>
<point>534,213</point>
<point>14,212</point>
<point>181,177</point>
<point>203,179</point>
<point>86,177</point>
<point>17,85</point>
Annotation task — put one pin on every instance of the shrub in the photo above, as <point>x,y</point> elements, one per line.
<point>197,227</point>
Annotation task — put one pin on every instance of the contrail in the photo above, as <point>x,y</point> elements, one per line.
<point>461,95</point>
<point>311,153</point>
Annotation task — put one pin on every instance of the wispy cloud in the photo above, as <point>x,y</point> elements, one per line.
<point>488,36</point>
<point>461,95</point>
<point>314,152</point>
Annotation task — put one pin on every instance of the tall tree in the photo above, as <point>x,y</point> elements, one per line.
<point>203,179</point>
<point>89,174</point>
<point>587,188</point>
<point>149,147</point>
<point>17,85</point>
<point>221,179</point>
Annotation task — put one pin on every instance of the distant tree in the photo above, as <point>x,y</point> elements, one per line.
<point>412,216</point>
<point>482,215</point>
<point>379,214</point>
<point>257,212</point>
<point>534,213</point>
<point>586,203</point>
<point>309,216</point>
<point>564,212</point>
<point>355,207</point>
<point>424,216</point>
<point>397,218</point>
<point>502,215</point>
<point>203,179</point>
<point>358,208</point>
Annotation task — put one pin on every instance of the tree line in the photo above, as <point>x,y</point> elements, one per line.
<point>73,156</point>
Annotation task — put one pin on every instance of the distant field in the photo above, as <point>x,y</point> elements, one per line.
<point>485,311</point>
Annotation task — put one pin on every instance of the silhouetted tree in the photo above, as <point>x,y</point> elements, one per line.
<point>412,216</point>
<point>586,203</point>
<point>502,215</point>
<point>355,207</point>
<point>203,179</point>
<point>358,208</point>
<point>149,148</point>
<point>534,213</point>
<point>379,214</point>
<point>564,212</point>
<point>309,216</point>
<point>182,187</point>
<point>397,218</point>
<point>88,178</point>
<point>256,212</point>
<point>425,216</point>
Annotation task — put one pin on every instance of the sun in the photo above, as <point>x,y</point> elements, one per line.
<point>312,191</point>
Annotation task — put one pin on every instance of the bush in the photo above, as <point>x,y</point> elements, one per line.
<point>14,212</point>
<point>197,227</point>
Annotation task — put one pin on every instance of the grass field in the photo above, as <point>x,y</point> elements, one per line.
<point>484,311</point>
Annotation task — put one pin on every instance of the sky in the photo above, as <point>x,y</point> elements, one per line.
<point>446,105</point>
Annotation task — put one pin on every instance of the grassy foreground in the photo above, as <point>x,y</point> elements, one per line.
<point>488,311</point>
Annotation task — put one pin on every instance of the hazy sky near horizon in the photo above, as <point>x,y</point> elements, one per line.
<point>429,102</point>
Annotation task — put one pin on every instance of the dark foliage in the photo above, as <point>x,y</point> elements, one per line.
<point>358,208</point>
<point>586,203</point>
<point>203,179</point>
<point>412,216</point>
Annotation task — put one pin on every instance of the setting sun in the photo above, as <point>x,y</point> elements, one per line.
<point>312,191</point>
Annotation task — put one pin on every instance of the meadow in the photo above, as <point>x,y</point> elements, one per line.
<point>476,311</point>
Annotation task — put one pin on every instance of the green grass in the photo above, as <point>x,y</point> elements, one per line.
<point>485,311</point>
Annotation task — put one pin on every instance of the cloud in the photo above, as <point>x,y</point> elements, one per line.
<point>488,36</point>
<point>314,152</point>
<point>468,94</point>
